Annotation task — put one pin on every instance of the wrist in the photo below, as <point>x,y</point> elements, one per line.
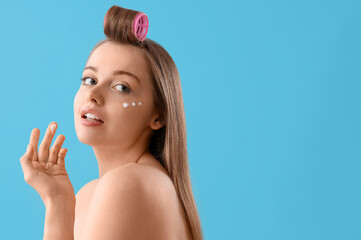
<point>59,218</point>
<point>61,200</point>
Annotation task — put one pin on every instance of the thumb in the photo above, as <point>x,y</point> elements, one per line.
<point>26,163</point>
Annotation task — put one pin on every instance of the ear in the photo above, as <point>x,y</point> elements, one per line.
<point>157,122</point>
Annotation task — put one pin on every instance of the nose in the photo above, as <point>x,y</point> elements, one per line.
<point>95,93</point>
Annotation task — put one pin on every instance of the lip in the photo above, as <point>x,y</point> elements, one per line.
<point>92,111</point>
<point>90,123</point>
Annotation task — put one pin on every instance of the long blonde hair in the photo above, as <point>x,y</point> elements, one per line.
<point>169,143</point>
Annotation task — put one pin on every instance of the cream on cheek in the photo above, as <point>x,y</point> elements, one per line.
<point>133,104</point>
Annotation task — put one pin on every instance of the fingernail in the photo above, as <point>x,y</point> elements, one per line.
<point>29,147</point>
<point>53,128</point>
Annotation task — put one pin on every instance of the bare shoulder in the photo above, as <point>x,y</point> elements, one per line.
<point>144,176</point>
<point>141,180</point>
<point>132,202</point>
<point>84,194</point>
<point>89,185</point>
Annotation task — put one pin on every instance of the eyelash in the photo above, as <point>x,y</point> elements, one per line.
<point>126,91</point>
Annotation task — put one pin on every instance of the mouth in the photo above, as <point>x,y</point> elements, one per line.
<point>92,119</point>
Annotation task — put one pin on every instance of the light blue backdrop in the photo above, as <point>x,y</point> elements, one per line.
<point>272,100</point>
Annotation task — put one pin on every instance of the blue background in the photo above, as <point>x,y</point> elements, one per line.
<point>272,100</point>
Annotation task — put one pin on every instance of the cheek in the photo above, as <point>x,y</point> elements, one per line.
<point>137,110</point>
<point>75,104</point>
<point>132,112</point>
<point>132,108</point>
<point>131,104</point>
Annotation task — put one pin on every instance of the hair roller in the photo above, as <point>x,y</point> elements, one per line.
<point>141,25</point>
<point>125,25</point>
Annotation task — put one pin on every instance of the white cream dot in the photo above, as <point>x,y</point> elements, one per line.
<point>140,103</point>
<point>125,104</point>
<point>133,104</point>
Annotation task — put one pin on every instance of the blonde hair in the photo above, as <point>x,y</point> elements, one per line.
<point>169,143</point>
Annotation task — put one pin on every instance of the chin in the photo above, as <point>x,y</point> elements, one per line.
<point>87,135</point>
<point>90,139</point>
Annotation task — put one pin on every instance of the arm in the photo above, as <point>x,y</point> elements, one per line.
<point>44,170</point>
<point>59,219</point>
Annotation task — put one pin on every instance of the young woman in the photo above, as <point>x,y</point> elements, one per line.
<point>129,108</point>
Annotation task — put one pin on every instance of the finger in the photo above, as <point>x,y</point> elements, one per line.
<point>45,144</point>
<point>26,164</point>
<point>34,139</point>
<point>54,151</point>
<point>61,157</point>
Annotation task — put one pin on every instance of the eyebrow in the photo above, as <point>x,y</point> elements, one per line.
<point>116,72</point>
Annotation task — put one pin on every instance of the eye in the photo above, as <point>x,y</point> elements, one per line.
<point>85,78</point>
<point>124,88</point>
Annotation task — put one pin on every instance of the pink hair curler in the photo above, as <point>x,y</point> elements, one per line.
<point>141,24</point>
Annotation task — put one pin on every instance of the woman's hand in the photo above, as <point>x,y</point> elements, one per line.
<point>45,171</point>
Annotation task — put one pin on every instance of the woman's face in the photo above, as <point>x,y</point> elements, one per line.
<point>124,103</point>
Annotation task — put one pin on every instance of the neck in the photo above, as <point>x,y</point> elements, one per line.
<point>114,156</point>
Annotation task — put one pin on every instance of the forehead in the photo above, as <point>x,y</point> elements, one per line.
<point>111,56</point>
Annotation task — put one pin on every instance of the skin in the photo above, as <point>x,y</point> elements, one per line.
<point>133,124</point>
<point>44,169</point>
<point>126,194</point>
